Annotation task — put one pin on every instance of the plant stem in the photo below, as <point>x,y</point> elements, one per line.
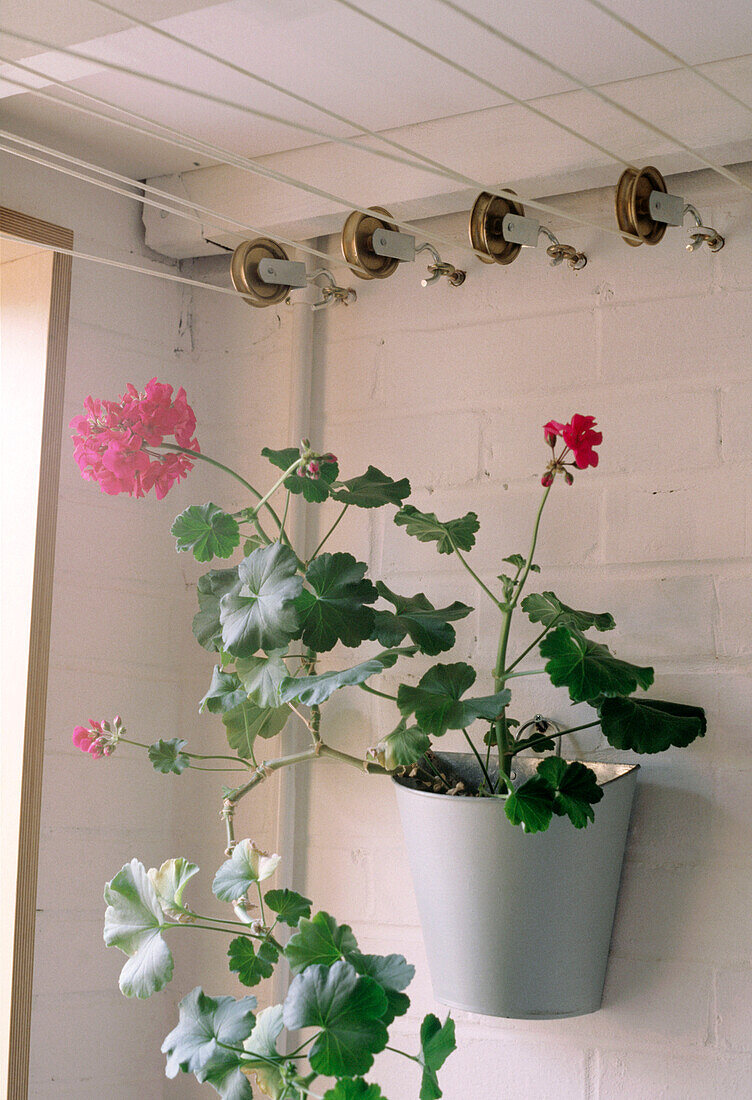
<point>196,768</point>
<point>501,729</point>
<point>412,1057</point>
<point>326,536</point>
<point>277,485</point>
<point>475,576</point>
<point>529,562</point>
<point>284,514</point>
<point>532,645</point>
<point>302,717</point>
<point>261,903</point>
<point>233,473</point>
<point>520,745</point>
<point>369,766</point>
<point>375,691</point>
<point>483,769</point>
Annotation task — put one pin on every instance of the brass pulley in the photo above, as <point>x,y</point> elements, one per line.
<point>487,228</point>
<point>633,205</point>
<point>244,271</point>
<point>358,247</point>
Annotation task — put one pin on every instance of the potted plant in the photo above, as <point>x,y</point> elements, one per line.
<point>271,619</point>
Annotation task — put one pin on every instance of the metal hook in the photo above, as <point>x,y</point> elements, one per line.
<point>701,234</point>
<point>558,252</point>
<point>439,268</point>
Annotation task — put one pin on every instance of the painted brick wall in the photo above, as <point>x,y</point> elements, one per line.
<point>121,643</point>
<point>451,387</point>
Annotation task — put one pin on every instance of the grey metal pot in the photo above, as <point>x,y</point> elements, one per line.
<point>516,924</point>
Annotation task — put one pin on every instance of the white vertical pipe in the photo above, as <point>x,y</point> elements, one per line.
<point>293,781</point>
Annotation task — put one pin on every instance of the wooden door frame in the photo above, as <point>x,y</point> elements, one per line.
<point>44,233</point>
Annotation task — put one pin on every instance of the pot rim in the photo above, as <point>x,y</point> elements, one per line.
<point>493,800</point>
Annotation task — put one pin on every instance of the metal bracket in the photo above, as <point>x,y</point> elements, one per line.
<point>666,208</point>
<point>521,230</point>
<point>526,232</point>
<point>396,246</point>
<point>283,273</point>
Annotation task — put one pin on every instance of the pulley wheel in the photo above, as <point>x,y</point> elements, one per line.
<point>632,205</point>
<point>357,243</point>
<point>486,228</point>
<point>244,272</point>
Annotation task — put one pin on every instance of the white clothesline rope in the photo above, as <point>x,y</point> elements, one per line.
<point>680,61</point>
<point>220,220</point>
<point>424,163</point>
<point>591,90</point>
<point>253,166</point>
<point>76,255</point>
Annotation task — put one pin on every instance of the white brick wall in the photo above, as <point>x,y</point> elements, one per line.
<point>451,387</point>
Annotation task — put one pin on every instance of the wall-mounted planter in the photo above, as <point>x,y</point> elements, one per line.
<point>516,925</point>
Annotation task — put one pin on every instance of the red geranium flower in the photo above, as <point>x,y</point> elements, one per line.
<point>581,439</point>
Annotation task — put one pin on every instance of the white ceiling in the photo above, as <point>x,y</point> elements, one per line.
<point>335,57</point>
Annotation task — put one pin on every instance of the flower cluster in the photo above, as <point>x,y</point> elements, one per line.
<point>580,440</point>
<point>312,468</point>
<point>101,738</point>
<point>113,440</point>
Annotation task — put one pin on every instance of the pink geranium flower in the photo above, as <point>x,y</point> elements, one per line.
<point>112,440</point>
<point>100,738</point>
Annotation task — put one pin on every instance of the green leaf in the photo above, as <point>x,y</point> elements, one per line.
<point>195,1045</point>
<point>588,668</point>
<point>225,692</point>
<point>167,756</point>
<point>317,689</point>
<point>251,966</point>
<point>393,973</point>
<point>575,788</point>
<point>133,921</point>
<point>650,725</point>
<point>261,677</point>
<point>288,906</point>
<point>436,701</point>
<point>402,747</point>
<point>354,1088</point>
<point>261,1045</point>
<point>207,531</point>
<point>251,543</point>
<point>283,459</point>
<point>346,1009</point>
<point>371,490</point>
<point>207,628</point>
<point>336,611</point>
<point>416,616</point>
<point>247,722</point>
<point>546,608</point>
<point>259,613</point>
<point>454,534</point>
<point>169,882</point>
<point>531,805</point>
<point>319,941</point>
<point>519,563</point>
<point>436,1044</point>
<point>246,865</point>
